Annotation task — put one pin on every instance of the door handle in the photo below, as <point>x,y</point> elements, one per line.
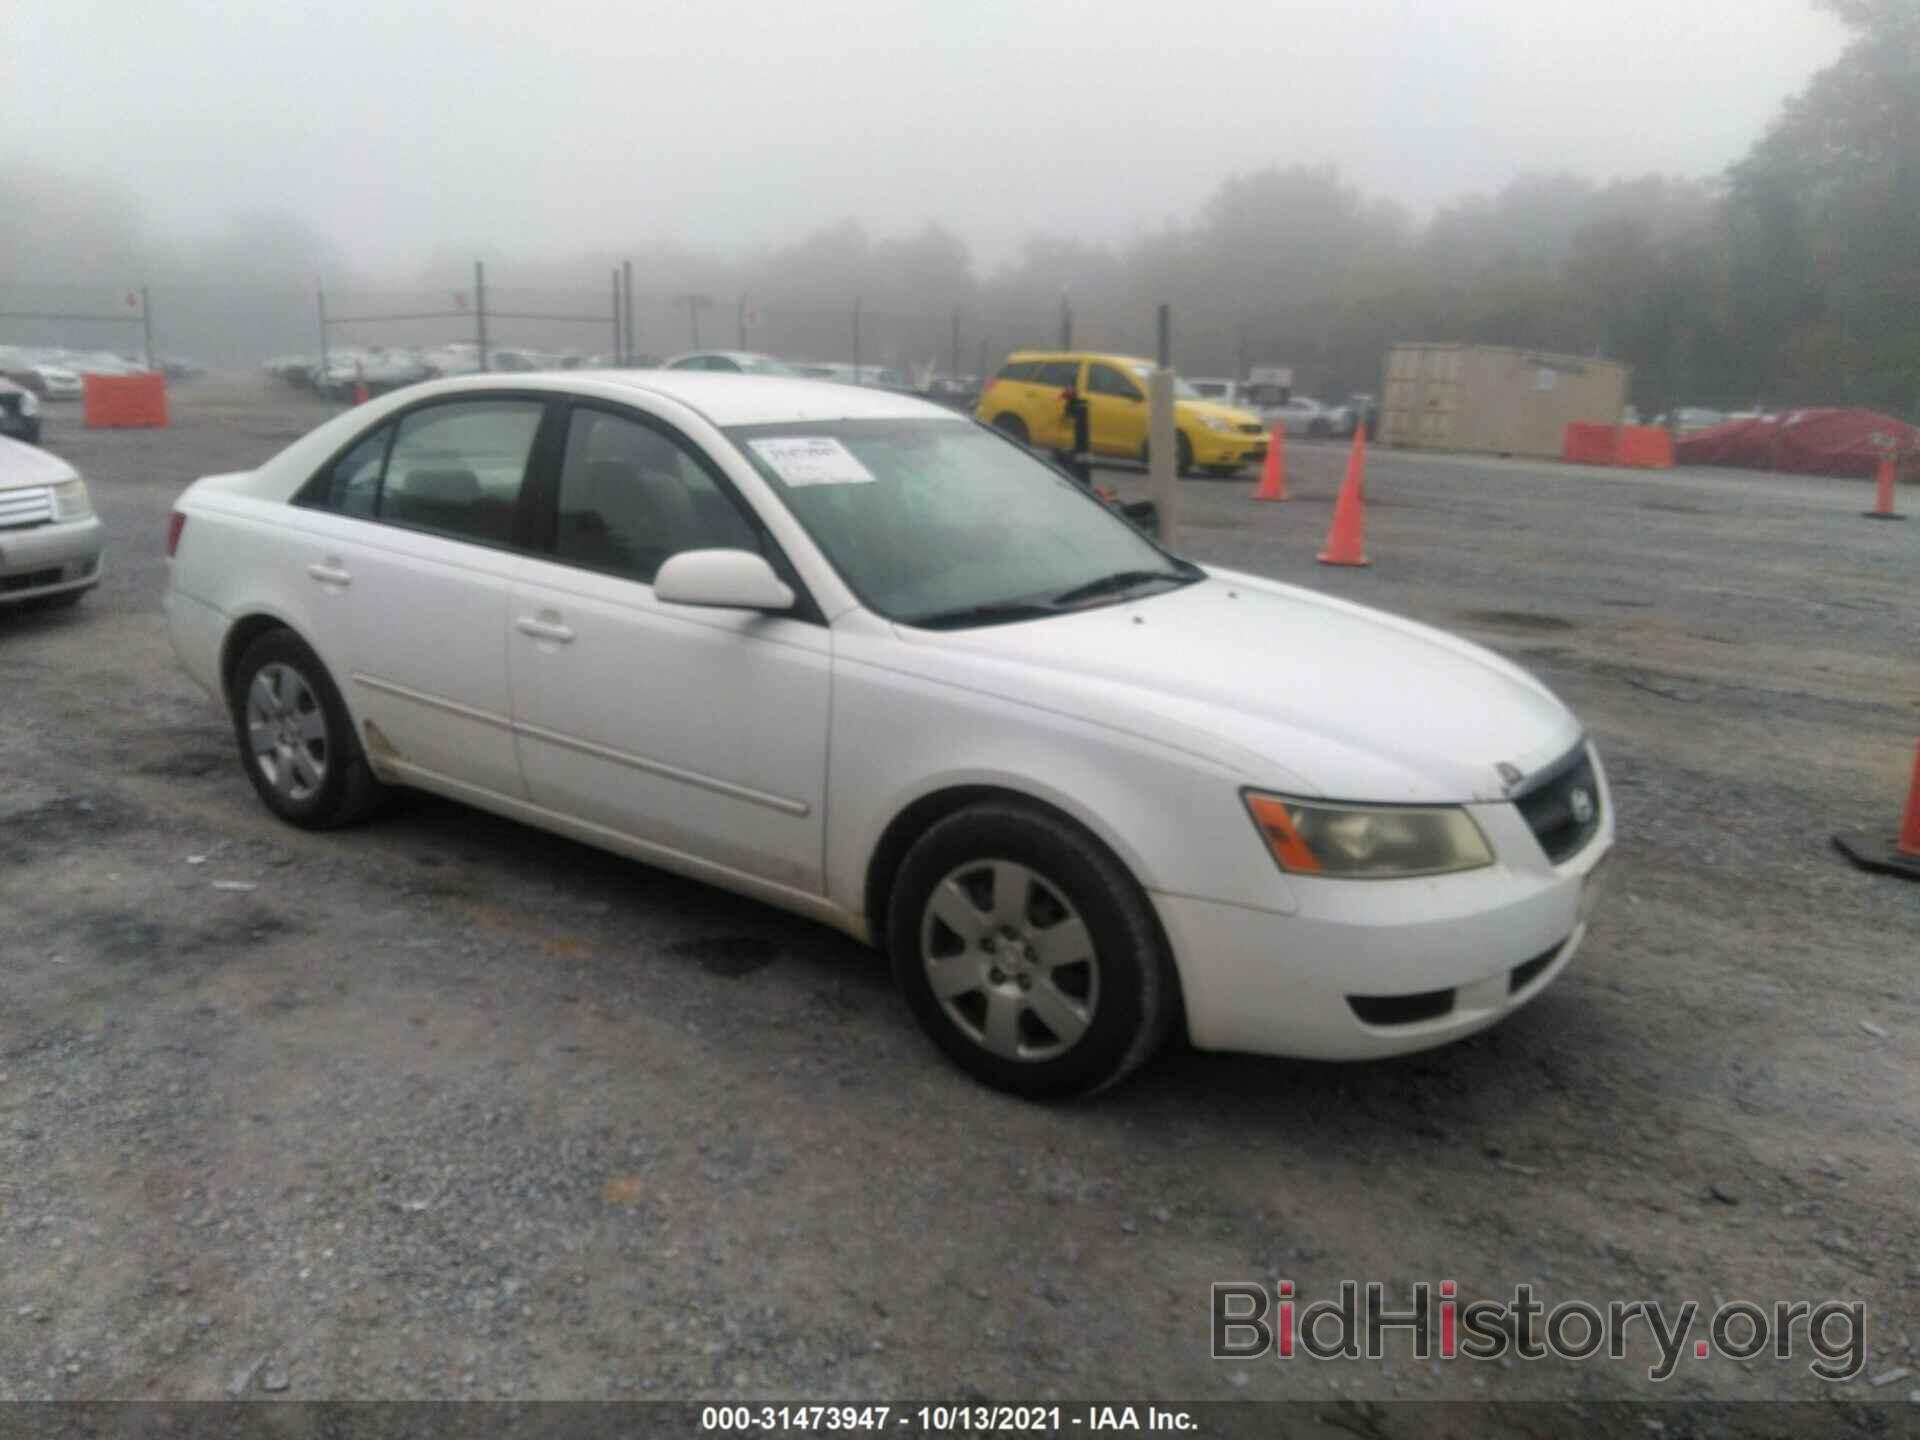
<point>543,630</point>
<point>329,572</point>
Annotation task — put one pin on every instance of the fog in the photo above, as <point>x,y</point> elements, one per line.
<point>930,158</point>
<point>400,130</point>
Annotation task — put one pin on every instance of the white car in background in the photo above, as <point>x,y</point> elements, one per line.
<point>58,383</point>
<point>1214,387</point>
<point>1302,416</point>
<point>20,416</point>
<point>729,362</point>
<point>50,539</point>
<point>848,653</point>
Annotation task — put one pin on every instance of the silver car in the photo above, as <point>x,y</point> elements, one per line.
<point>50,539</point>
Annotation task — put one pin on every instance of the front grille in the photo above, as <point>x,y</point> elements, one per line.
<point>1548,803</point>
<point>31,506</point>
<point>10,402</point>
<point>31,580</point>
<point>1401,1009</point>
<point>1252,427</point>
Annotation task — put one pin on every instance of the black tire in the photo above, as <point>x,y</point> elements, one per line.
<point>1182,455</point>
<point>1011,426</point>
<point>31,434</point>
<point>346,789</point>
<point>1128,998</point>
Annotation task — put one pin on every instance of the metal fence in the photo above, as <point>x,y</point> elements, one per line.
<point>613,317</point>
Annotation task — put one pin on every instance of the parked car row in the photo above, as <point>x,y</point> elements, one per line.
<point>57,373</point>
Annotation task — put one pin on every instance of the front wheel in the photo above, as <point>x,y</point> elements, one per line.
<point>296,740</point>
<point>1182,455</point>
<point>1027,953</point>
<point>1011,426</point>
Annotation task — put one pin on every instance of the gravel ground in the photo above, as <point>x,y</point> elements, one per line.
<point>442,1107</point>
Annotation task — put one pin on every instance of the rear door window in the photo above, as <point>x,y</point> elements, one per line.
<point>457,469</point>
<point>1061,374</point>
<point>1105,380</point>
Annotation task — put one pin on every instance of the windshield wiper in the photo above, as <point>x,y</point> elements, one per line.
<point>1123,580</point>
<point>994,613</point>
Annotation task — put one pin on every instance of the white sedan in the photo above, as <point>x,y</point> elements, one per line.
<point>849,654</point>
<point>50,539</point>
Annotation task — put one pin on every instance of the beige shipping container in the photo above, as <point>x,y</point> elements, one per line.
<point>1494,400</point>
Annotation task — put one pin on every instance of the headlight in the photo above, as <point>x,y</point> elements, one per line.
<point>29,403</point>
<point>1214,422</point>
<point>1367,842</point>
<point>71,501</point>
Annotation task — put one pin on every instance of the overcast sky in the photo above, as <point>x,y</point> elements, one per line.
<point>545,127</point>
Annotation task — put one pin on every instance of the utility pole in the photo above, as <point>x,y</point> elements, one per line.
<point>856,339</point>
<point>740,321</point>
<point>320,296</point>
<point>619,358</point>
<point>695,304</point>
<point>955,372</point>
<point>480,312</point>
<point>146,324</point>
<point>1066,322</point>
<point>626,289</point>
<point>1163,444</point>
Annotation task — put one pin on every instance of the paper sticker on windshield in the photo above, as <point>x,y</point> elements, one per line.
<point>812,460</point>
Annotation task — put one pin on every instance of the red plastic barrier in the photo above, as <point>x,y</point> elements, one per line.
<point>1591,444</point>
<point>1646,446</point>
<point>124,401</point>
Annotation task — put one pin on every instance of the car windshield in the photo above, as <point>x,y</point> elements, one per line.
<point>765,365</point>
<point>943,523</point>
<point>1181,389</point>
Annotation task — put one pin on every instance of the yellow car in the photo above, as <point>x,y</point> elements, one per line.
<point>1027,401</point>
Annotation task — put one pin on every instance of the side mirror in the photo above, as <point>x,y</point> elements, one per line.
<point>723,580</point>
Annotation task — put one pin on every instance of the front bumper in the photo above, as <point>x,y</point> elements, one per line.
<point>1219,447</point>
<point>1371,968</point>
<point>50,559</point>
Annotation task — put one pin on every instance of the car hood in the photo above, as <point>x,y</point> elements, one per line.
<point>1288,688</point>
<point>22,465</point>
<point>1214,410</point>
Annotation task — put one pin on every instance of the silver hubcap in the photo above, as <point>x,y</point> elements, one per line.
<point>287,731</point>
<point>1010,960</point>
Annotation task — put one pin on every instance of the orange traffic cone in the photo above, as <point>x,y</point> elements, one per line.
<point>1273,472</point>
<point>1902,857</point>
<point>1346,541</point>
<point>1883,496</point>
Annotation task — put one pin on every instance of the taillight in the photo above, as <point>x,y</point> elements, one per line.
<point>176,522</point>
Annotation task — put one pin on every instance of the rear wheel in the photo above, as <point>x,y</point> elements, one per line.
<point>1011,426</point>
<point>1027,953</point>
<point>296,740</point>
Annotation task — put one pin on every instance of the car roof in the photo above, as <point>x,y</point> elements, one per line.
<point>722,397</point>
<point>1102,355</point>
